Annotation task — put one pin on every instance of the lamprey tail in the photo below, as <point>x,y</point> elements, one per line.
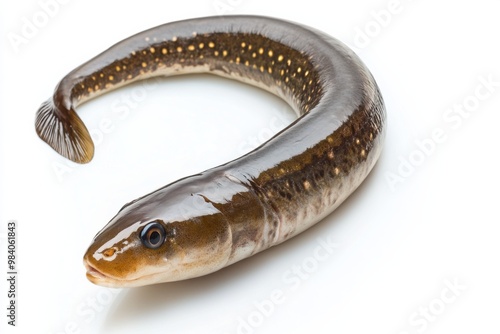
<point>64,131</point>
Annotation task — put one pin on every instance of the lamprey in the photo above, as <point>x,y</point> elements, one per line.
<point>202,223</point>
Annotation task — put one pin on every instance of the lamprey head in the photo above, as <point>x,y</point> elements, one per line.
<point>168,235</point>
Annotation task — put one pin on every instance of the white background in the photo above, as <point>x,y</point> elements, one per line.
<point>399,245</point>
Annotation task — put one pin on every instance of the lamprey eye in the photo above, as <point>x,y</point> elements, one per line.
<point>153,235</point>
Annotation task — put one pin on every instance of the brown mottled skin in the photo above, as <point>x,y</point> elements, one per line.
<point>230,212</point>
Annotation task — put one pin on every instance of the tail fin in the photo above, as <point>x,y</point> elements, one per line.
<point>64,131</point>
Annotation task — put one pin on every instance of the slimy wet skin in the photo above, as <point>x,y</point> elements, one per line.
<point>167,235</point>
<point>204,222</point>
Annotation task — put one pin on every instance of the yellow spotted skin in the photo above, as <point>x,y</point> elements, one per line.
<point>259,200</point>
<point>287,68</point>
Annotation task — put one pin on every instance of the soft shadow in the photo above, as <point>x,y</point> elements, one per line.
<point>133,305</point>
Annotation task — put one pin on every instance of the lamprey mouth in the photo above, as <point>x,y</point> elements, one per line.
<point>93,273</point>
<point>96,276</point>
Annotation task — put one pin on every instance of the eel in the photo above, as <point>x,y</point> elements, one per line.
<point>205,222</point>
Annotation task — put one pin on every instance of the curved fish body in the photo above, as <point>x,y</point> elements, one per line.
<point>202,223</point>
